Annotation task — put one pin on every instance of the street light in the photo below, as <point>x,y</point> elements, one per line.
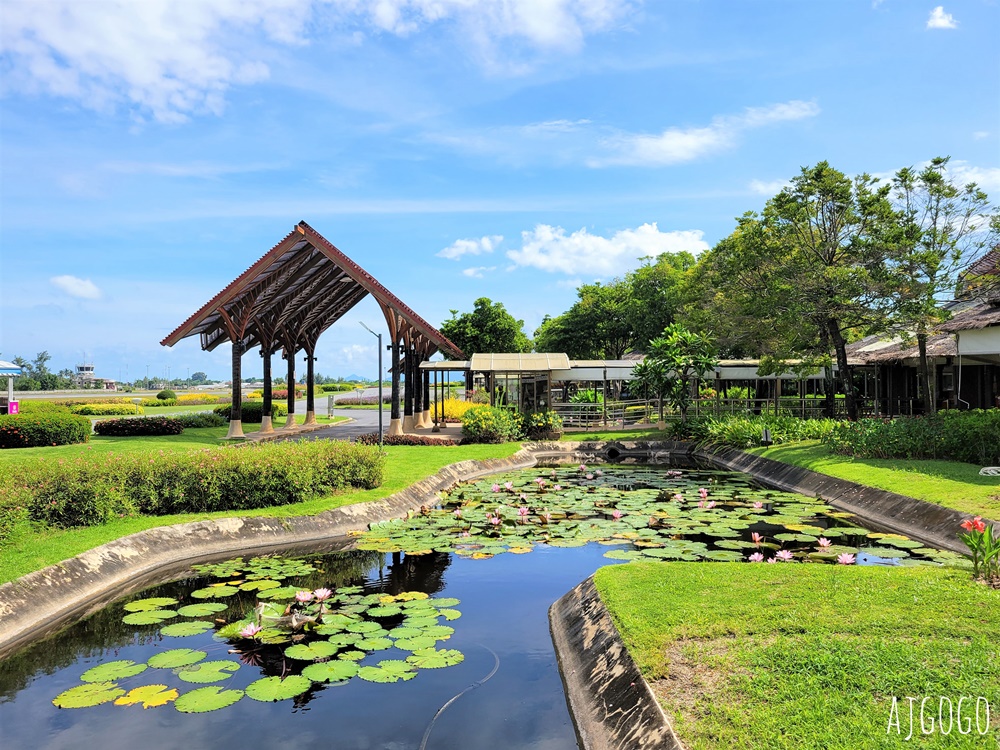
<point>379,337</point>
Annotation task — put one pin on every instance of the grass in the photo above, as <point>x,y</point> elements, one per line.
<point>632,433</point>
<point>807,656</point>
<point>949,483</point>
<point>31,548</point>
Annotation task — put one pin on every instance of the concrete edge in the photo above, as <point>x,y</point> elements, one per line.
<point>612,705</point>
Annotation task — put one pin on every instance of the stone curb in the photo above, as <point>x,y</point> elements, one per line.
<point>612,705</point>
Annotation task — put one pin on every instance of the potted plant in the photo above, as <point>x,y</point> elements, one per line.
<point>543,425</point>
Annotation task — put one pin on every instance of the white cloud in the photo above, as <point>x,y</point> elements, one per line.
<point>481,246</point>
<point>988,178</point>
<point>941,20</point>
<point>75,287</point>
<point>478,272</point>
<point>677,145</point>
<point>550,249</point>
<point>981,134</point>
<point>357,353</point>
<point>174,59</point>
<point>767,187</point>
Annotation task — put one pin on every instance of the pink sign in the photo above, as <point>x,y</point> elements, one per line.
<point>13,407</point>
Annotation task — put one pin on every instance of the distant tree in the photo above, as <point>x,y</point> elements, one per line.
<point>198,377</point>
<point>488,328</point>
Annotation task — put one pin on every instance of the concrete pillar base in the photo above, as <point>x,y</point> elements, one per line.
<point>235,430</point>
<point>395,427</point>
<point>266,428</point>
<point>408,423</point>
<point>425,422</point>
<point>290,423</point>
<point>310,417</point>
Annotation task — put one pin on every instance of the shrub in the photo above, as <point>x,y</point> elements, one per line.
<point>252,411</point>
<point>200,419</point>
<point>366,400</point>
<point>35,406</point>
<point>33,430</point>
<point>539,423</point>
<point>745,431</point>
<point>198,399</point>
<point>106,410</point>
<point>481,396</point>
<point>15,494</point>
<point>969,436</point>
<point>85,493</point>
<point>166,395</point>
<point>487,424</point>
<point>371,438</point>
<point>453,409</point>
<point>137,426</point>
<point>155,403</point>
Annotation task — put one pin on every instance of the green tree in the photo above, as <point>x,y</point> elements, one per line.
<point>676,361</point>
<point>945,226</point>
<point>488,328</point>
<point>198,377</point>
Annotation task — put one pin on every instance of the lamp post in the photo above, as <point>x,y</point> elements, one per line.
<point>379,337</point>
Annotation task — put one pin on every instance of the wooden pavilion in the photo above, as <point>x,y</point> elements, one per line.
<point>284,301</point>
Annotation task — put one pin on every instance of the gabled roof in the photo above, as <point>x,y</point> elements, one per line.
<point>983,315</point>
<point>294,292</point>
<point>9,368</point>
<point>516,362</point>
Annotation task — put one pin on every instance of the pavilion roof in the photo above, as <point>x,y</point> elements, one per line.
<point>294,292</point>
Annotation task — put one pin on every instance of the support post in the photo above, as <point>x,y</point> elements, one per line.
<point>266,426</point>
<point>425,418</point>
<point>310,385</point>
<point>236,409</point>
<point>290,381</point>
<point>408,392</point>
<point>395,428</point>
<point>437,403</point>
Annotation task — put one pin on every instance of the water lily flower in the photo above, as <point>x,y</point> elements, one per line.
<point>539,481</point>
<point>771,560</point>
<point>583,467</point>
<point>495,520</point>
<point>823,542</point>
<point>756,538</point>
<point>552,474</point>
<point>710,504</point>
<point>522,511</point>
<point>590,476</point>
<point>303,596</point>
<point>756,557</point>
<point>758,505</point>
<point>557,487</point>
<point>457,512</point>
<point>703,492</point>
<point>250,631</point>
<point>616,514</point>
<point>495,488</point>
<point>785,555</point>
<point>599,473</point>
<point>678,497</point>
<point>321,595</point>
<point>509,486</point>
<point>845,559</point>
<point>546,516</point>
<point>522,496</point>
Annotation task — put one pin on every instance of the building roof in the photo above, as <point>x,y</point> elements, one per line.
<point>294,292</point>
<point>874,350</point>
<point>515,362</point>
<point>983,315</point>
<point>9,368</point>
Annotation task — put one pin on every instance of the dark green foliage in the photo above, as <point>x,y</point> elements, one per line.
<point>487,424</point>
<point>45,428</point>
<point>488,328</point>
<point>541,423</point>
<point>82,493</point>
<point>970,436</point>
<point>166,394</point>
<point>200,419</point>
<point>253,411</point>
<point>157,402</point>
<point>745,430</point>
<point>372,439</point>
<point>136,426</point>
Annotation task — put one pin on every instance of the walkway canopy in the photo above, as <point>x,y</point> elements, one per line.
<point>284,301</point>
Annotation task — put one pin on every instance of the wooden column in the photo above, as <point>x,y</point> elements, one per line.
<point>418,391</point>
<point>310,384</point>
<point>395,428</point>
<point>408,391</point>
<point>236,412</point>
<point>426,415</point>
<point>265,421</point>
<point>289,355</point>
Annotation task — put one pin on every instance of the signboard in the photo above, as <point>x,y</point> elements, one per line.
<point>13,407</point>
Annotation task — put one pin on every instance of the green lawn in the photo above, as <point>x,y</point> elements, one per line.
<point>30,548</point>
<point>948,483</point>
<point>633,433</point>
<point>807,656</point>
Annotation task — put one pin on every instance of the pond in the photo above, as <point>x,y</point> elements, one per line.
<point>432,634</point>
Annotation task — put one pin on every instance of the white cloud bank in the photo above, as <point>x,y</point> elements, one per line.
<point>479,272</point>
<point>173,59</point>
<point>460,248</point>
<point>941,20</point>
<point>677,145</point>
<point>550,249</point>
<point>76,287</point>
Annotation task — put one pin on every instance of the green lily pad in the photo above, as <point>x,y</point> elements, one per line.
<point>215,592</point>
<point>148,696</point>
<point>112,670</point>
<point>439,632</point>
<point>433,659</point>
<point>352,655</point>
<point>387,671</point>
<point>445,602</point>
<point>156,602</point>
<point>203,700</point>
<point>449,614</point>
<point>176,657</point>
<point>260,584</point>
<point>91,694</point>
<point>331,671</point>
<point>311,651</point>
<point>179,629</point>
<point>278,689</point>
<point>364,626</point>
<point>149,617</point>
<point>208,671</point>
<point>384,611</point>
<point>405,632</point>
<point>201,609</point>
<point>373,644</point>
<point>417,643</point>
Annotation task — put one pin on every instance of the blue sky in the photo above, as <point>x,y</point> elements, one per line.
<point>151,151</point>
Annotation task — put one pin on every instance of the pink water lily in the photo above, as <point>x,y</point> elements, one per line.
<point>785,555</point>
<point>756,538</point>
<point>771,560</point>
<point>509,486</point>
<point>590,476</point>
<point>495,488</point>
<point>303,596</point>
<point>758,505</point>
<point>673,473</point>
<point>599,473</point>
<point>321,595</point>
<point>557,487</point>
<point>678,497</point>
<point>250,631</point>
<point>583,467</point>
<point>703,492</point>
<point>546,516</point>
<point>710,504</point>
<point>616,514</point>
<point>756,557</point>
<point>845,559</point>
<point>495,520</point>
<point>539,481</point>
<point>522,511</point>
<point>823,542</point>
<point>457,512</point>
<point>552,474</point>
<point>522,496</point>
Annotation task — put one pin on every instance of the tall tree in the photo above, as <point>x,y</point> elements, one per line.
<point>945,226</point>
<point>488,328</point>
<point>675,362</point>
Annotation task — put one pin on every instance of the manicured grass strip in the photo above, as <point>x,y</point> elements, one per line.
<point>948,483</point>
<point>806,656</point>
<point>637,433</point>
<point>30,549</point>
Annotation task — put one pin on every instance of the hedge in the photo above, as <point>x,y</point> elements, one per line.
<point>37,406</point>
<point>106,410</point>
<point>158,402</point>
<point>745,430</point>
<point>85,493</point>
<point>139,426</point>
<point>34,430</point>
<point>371,438</point>
<point>488,424</point>
<point>200,419</point>
<point>969,436</point>
<point>253,411</point>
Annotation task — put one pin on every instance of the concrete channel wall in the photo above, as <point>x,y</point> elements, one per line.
<point>594,662</point>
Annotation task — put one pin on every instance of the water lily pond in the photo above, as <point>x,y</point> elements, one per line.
<point>433,633</point>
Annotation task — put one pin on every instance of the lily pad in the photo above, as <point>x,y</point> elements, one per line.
<point>434,659</point>
<point>203,700</point>
<point>214,592</point>
<point>417,643</point>
<point>269,689</point>
<point>373,644</point>
<point>331,671</point>
<point>112,670</point>
<point>384,611</point>
<point>179,629</point>
<point>148,696</point>
<point>208,671</point>
<point>156,602</point>
<point>149,617</point>
<point>449,614</point>
<point>201,609</point>
<point>176,657</point>
<point>311,651</point>
<point>91,694</point>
